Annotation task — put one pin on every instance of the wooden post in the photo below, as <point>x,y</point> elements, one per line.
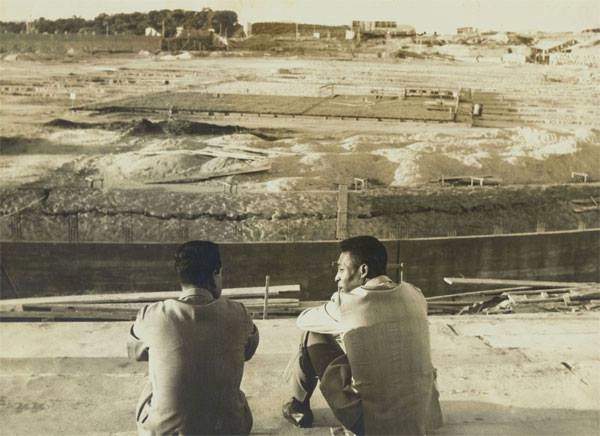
<point>73,227</point>
<point>341,231</point>
<point>15,227</point>
<point>266,302</point>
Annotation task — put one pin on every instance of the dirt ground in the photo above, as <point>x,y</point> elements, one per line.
<point>51,154</point>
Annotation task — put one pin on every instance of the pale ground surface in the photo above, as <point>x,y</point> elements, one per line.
<point>531,374</point>
<point>556,125</point>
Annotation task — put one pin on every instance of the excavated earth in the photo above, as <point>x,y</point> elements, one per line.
<point>97,176</point>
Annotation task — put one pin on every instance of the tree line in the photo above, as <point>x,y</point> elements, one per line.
<point>223,22</point>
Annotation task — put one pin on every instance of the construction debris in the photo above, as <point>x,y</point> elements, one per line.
<point>523,296</point>
<point>468,181</point>
<point>254,166</point>
<point>585,205</point>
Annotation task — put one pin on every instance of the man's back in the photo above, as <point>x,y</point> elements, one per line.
<point>387,343</point>
<point>196,357</point>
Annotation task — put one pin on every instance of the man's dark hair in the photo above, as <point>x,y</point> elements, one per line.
<point>196,261</point>
<point>367,250</point>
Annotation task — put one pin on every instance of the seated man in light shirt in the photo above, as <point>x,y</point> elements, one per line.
<point>369,348</point>
<point>196,346</point>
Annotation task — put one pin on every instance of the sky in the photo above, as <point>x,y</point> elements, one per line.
<point>443,16</point>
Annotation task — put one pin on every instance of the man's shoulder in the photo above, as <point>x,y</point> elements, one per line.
<point>406,286</point>
<point>234,306</point>
<point>153,310</point>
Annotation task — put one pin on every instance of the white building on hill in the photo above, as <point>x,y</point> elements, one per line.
<point>151,31</point>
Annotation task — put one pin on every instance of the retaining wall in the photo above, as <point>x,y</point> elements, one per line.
<point>59,268</point>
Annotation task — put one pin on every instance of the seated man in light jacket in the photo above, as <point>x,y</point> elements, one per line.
<point>196,346</point>
<point>369,348</point>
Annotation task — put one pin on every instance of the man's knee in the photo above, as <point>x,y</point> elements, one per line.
<point>320,350</point>
<point>313,338</point>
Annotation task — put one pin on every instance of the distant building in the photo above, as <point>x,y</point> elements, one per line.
<point>178,31</point>
<point>382,28</point>
<point>466,31</point>
<point>501,38</point>
<point>543,49</point>
<point>151,31</point>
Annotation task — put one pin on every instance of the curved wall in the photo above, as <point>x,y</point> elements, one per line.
<point>56,268</point>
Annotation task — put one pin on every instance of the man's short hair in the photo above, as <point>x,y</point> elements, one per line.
<point>367,250</point>
<point>196,262</point>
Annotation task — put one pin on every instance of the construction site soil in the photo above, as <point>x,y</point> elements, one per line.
<point>101,175</point>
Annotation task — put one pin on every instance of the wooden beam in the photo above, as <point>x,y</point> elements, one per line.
<point>142,297</point>
<point>530,283</point>
<point>250,168</point>
<point>65,316</point>
<point>476,293</point>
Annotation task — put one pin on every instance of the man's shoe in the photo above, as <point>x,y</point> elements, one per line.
<point>298,413</point>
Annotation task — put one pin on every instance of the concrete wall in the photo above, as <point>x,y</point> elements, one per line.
<point>51,268</point>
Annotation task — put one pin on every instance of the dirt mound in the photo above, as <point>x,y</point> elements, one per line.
<point>146,127</point>
<point>67,124</point>
<point>62,123</point>
<point>184,127</point>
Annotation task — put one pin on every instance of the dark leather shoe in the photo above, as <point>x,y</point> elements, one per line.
<point>298,413</point>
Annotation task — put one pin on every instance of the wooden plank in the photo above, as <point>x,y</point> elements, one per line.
<point>114,308</point>
<point>108,308</point>
<point>213,174</point>
<point>208,151</point>
<point>476,293</point>
<point>256,150</point>
<point>143,297</point>
<point>530,283</point>
<point>65,316</point>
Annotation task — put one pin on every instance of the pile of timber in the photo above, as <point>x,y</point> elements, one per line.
<point>585,205</point>
<point>516,296</point>
<point>249,160</point>
<point>261,302</point>
<point>467,181</point>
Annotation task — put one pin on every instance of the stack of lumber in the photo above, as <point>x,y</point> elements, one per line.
<point>585,205</point>
<point>514,296</point>
<point>260,302</point>
<point>468,180</point>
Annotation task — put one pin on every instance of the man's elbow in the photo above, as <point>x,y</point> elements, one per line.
<point>136,350</point>
<point>251,344</point>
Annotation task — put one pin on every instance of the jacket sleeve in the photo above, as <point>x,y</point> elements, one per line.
<point>251,343</point>
<point>137,349</point>
<point>322,319</point>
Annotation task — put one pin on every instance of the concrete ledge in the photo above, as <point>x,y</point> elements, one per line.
<point>510,375</point>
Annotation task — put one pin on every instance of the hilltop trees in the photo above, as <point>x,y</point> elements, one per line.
<point>223,22</point>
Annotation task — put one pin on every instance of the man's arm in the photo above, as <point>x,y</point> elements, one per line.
<point>322,319</point>
<point>136,347</point>
<point>252,343</point>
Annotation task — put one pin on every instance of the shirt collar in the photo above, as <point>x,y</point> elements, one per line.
<point>379,283</point>
<point>200,293</point>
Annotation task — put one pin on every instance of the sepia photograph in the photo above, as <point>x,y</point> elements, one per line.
<point>300,217</point>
